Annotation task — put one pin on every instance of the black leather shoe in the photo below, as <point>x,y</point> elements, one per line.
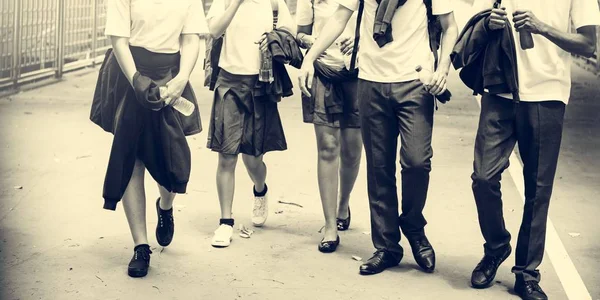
<point>329,246</point>
<point>344,224</point>
<point>423,253</point>
<point>165,228</point>
<point>380,261</point>
<point>485,272</point>
<point>529,290</point>
<point>140,262</point>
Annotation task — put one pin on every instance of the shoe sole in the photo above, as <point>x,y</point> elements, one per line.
<point>221,244</point>
<point>137,273</point>
<point>485,286</point>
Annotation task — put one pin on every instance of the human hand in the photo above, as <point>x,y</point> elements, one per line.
<point>305,77</point>
<point>438,82</point>
<point>497,19</point>
<point>174,88</point>
<point>525,20</point>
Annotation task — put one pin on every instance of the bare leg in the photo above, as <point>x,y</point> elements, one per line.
<point>328,146</point>
<point>134,204</point>
<point>257,170</point>
<point>226,183</point>
<point>350,152</point>
<point>166,198</point>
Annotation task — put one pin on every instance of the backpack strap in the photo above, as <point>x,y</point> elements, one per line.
<point>275,7</point>
<point>361,8</point>
<point>431,20</point>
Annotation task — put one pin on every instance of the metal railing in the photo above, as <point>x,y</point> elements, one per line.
<point>44,38</point>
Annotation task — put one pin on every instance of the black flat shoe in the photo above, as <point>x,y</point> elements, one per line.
<point>380,261</point>
<point>423,253</point>
<point>485,272</point>
<point>329,246</point>
<point>165,227</point>
<point>529,290</point>
<point>344,224</point>
<point>140,262</point>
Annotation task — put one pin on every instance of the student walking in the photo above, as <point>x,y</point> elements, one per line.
<point>394,39</point>
<point>244,118</point>
<point>333,109</point>
<point>154,44</point>
<point>525,104</point>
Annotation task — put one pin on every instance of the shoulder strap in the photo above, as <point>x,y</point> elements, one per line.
<point>275,7</point>
<point>431,20</point>
<point>361,8</point>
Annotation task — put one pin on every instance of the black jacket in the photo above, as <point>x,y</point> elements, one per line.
<point>143,127</point>
<point>488,58</point>
<point>284,50</point>
<point>382,27</point>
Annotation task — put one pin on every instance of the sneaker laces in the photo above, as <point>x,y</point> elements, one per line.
<point>221,229</point>
<point>143,252</point>
<point>488,261</point>
<point>532,286</point>
<point>259,205</point>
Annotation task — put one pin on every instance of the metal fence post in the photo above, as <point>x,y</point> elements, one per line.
<point>16,63</point>
<point>60,39</point>
<point>94,32</point>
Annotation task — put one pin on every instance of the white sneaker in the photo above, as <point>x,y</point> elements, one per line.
<point>260,211</point>
<point>222,237</point>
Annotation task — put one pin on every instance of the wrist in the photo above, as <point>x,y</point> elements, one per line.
<point>544,29</point>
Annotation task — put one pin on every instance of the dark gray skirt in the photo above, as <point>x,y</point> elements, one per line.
<point>242,122</point>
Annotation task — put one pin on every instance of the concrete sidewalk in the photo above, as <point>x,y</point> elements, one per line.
<point>58,243</point>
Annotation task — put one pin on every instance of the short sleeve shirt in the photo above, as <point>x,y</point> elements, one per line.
<point>240,54</point>
<point>545,70</point>
<point>155,25</point>
<point>396,61</point>
<point>317,13</point>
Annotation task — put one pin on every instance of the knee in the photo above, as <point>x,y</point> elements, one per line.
<point>351,156</point>
<point>416,162</point>
<point>227,162</point>
<point>481,179</point>
<point>252,162</point>
<point>329,149</point>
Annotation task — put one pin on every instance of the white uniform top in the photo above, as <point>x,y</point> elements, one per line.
<point>396,61</point>
<point>545,70</point>
<point>240,54</point>
<point>323,11</point>
<point>155,25</point>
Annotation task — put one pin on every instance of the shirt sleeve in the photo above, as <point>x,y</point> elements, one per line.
<point>118,18</point>
<point>349,4</point>
<point>284,18</point>
<point>441,7</point>
<point>196,20</point>
<point>217,9</point>
<point>304,12</point>
<point>585,13</point>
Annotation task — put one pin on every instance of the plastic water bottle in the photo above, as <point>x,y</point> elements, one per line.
<point>182,105</point>
<point>425,76</point>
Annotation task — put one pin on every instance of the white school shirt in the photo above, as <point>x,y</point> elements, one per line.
<point>323,11</point>
<point>240,54</point>
<point>155,25</point>
<point>396,61</point>
<point>545,70</point>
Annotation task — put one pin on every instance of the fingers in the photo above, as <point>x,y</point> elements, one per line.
<point>347,45</point>
<point>444,88</point>
<point>302,82</point>
<point>498,19</point>
<point>263,42</point>
<point>438,84</point>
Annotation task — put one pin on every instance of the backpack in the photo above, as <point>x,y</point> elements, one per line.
<point>434,27</point>
<point>214,47</point>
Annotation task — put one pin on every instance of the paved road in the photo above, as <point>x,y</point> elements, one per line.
<point>58,243</point>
